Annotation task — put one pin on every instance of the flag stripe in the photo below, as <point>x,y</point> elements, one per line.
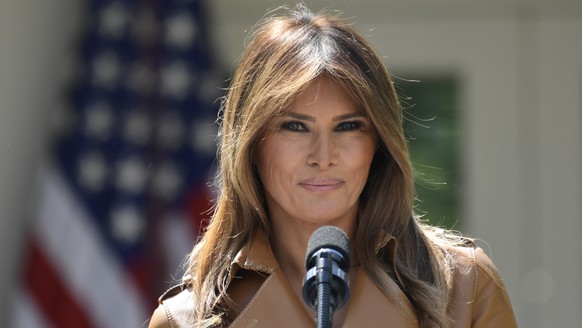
<point>94,276</point>
<point>53,298</point>
<point>25,312</point>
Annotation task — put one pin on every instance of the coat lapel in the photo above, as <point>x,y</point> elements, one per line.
<point>369,307</point>
<point>274,305</point>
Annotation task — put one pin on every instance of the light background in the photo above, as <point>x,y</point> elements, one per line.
<point>519,64</point>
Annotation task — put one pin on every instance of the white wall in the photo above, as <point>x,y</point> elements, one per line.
<point>35,37</point>
<point>520,63</point>
<point>520,67</point>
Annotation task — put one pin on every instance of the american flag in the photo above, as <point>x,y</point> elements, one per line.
<point>120,201</point>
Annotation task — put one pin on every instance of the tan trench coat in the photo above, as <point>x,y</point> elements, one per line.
<point>479,298</point>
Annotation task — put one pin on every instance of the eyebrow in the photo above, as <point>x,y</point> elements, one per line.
<point>309,118</point>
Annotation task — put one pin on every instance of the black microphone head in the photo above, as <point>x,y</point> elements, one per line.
<point>328,237</point>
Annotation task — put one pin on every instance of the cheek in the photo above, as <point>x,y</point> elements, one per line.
<point>272,163</point>
<point>360,155</point>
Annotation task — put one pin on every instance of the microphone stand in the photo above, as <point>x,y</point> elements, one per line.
<point>329,280</point>
<point>326,286</point>
<point>323,306</point>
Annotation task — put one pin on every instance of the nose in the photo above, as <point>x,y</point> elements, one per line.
<point>323,151</point>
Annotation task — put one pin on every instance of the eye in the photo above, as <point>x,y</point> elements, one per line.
<point>293,126</point>
<point>350,126</point>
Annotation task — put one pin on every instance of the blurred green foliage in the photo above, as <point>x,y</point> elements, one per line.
<point>431,125</point>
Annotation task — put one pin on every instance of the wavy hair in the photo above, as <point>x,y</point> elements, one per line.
<point>285,53</point>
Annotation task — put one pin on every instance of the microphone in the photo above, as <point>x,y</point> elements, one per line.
<point>325,286</point>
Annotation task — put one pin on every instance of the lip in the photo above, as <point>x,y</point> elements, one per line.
<point>321,185</point>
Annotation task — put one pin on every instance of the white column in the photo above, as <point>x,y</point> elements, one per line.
<point>34,37</point>
<point>560,94</point>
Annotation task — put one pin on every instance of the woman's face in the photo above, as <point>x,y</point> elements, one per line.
<point>315,158</point>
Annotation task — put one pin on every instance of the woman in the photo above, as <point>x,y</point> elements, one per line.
<point>311,136</point>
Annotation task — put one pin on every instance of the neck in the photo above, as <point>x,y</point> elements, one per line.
<point>289,244</point>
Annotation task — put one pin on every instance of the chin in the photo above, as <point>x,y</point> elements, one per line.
<point>322,219</point>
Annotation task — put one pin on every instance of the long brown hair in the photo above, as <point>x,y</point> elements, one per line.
<point>284,55</point>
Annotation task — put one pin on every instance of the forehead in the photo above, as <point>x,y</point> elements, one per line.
<point>324,93</point>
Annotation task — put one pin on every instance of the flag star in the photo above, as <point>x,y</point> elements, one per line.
<point>175,80</point>
<point>167,181</point>
<point>171,131</point>
<point>204,135</point>
<point>106,70</point>
<point>99,120</point>
<point>113,19</point>
<point>92,171</point>
<point>181,30</point>
<point>138,127</point>
<point>127,224</point>
<point>131,175</point>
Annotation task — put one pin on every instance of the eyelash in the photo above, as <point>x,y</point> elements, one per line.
<point>350,126</point>
<point>296,126</point>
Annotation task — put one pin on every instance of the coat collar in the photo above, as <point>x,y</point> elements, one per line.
<point>274,303</point>
<point>256,255</point>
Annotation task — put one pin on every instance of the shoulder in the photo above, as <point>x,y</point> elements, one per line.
<point>478,284</point>
<point>175,308</point>
<point>472,266</point>
<point>471,260</point>
<point>160,318</point>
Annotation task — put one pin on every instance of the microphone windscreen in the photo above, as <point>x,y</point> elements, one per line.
<point>328,237</point>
